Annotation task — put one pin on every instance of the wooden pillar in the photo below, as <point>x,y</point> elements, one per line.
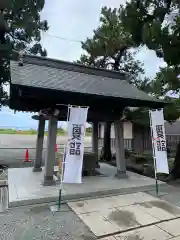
<point>120,155</point>
<point>50,154</point>
<point>95,140</point>
<point>39,145</point>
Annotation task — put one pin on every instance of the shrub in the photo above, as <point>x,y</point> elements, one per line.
<point>139,158</point>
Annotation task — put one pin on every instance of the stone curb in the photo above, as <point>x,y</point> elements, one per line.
<point>83,196</point>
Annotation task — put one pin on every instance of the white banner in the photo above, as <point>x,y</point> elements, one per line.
<point>159,141</point>
<point>75,147</point>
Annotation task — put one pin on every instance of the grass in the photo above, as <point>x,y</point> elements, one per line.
<point>30,132</point>
<point>14,131</point>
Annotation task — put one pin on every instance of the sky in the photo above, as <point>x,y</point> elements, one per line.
<point>71,20</point>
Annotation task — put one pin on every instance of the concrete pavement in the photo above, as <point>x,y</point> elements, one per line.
<point>134,216</point>
<point>144,216</point>
<point>28,141</point>
<point>141,219</point>
<point>38,222</point>
<point>13,147</point>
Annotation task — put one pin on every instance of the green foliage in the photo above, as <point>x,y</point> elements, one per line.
<point>139,159</point>
<point>111,48</point>
<point>150,23</point>
<point>61,131</point>
<point>156,24</point>
<point>108,40</point>
<point>21,132</point>
<point>89,130</point>
<point>139,116</point>
<point>23,32</point>
<point>8,131</point>
<point>172,110</point>
<point>153,23</point>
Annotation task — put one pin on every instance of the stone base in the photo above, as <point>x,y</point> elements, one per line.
<point>97,165</point>
<point>37,169</point>
<point>55,208</point>
<point>121,175</point>
<point>21,195</point>
<point>49,181</point>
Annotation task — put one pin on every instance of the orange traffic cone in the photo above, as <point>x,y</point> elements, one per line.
<point>27,156</point>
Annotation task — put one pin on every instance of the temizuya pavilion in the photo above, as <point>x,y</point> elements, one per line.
<point>42,83</point>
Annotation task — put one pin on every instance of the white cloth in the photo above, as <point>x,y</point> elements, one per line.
<point>75,147</point>
<point>159,141</point>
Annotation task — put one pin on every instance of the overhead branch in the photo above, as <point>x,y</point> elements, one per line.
<point>119,57</point>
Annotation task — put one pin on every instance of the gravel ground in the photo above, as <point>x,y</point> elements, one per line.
<point>38,222</point>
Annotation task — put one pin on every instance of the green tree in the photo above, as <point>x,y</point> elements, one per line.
<point>20,29</point>
<point>156,25</point>
<point>112,48</point>
<point>61,131</point>
<point>89,130</point>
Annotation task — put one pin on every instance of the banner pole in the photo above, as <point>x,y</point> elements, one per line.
<point>154,156</point>
<point>157,185</point>
<point>63,163</point>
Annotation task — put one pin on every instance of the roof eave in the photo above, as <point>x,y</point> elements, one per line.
<point>75,67</point>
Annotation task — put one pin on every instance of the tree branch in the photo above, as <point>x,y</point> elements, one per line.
<point>118,58</point>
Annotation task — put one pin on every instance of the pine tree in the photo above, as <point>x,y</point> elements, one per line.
<point>112,48</point>
<point>20,29</point>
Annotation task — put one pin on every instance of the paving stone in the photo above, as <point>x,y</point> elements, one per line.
<point>141,197</point>
<point>117,201</point>
<point>122,219</point>
<point>78,207</point>
<point>172,227</point>
<point>160,193</point>
<point>146,233</point>
<point>122,200</point>
<point>175,238</point>
<point>175,210</point>
<point>102,215</point>
<point>139,215</point>
<point>100,204</point>
<point>129,199</point>
<point>157,209</point>
<point>173,198</point>
<point>98,224</point>
<point>104,203</point>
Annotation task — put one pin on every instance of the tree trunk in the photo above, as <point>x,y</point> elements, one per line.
<point>106,154</point>
<point>175,172</point>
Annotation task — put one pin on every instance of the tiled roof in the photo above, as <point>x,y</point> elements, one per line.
<point>61,77</point>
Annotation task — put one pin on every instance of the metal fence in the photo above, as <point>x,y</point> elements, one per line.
<point>127,143</point>
<point>14,157</point>
<point>146,144</point>
<point>17,155</point>
<point>171,141</point>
